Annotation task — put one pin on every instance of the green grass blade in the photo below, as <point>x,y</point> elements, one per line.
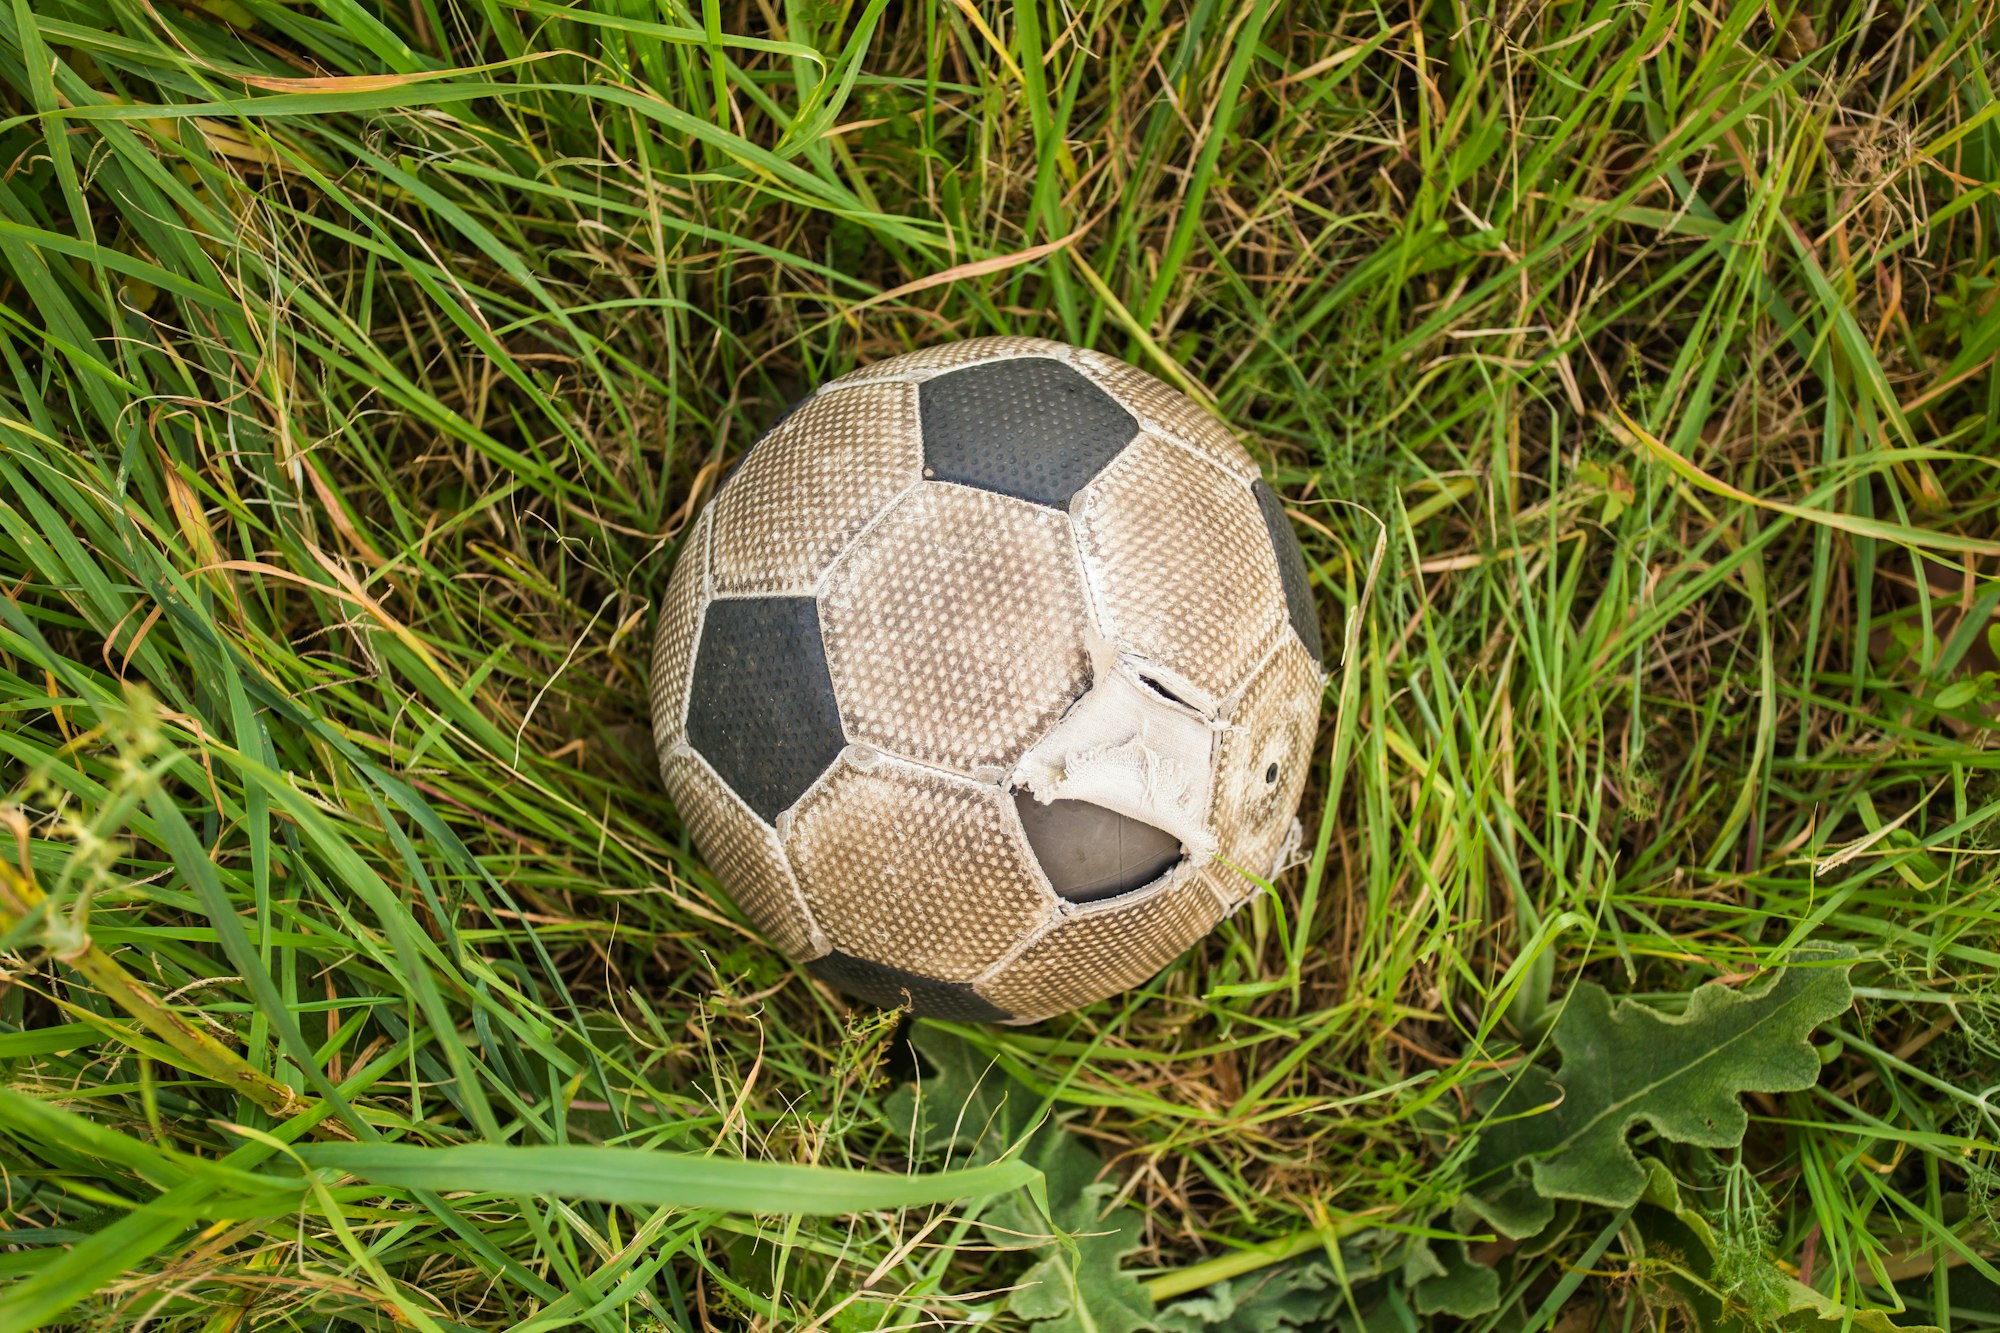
<point>656,1178</point>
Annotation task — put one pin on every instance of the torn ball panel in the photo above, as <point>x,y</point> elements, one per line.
<point>1129,749</point>
<point>915,869</point>
<point>673,639</point>
<point>743,852</point>
<point>805,490</point>
<point>1266,753</point>
<point>1180,565</point>
<point>1105,948</point>
<point>954,628</point>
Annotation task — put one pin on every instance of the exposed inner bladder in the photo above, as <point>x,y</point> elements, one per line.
<point>1118,791</point>
<point>1090,853</point>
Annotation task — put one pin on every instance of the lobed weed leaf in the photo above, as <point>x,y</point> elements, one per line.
<point>968,1105</point>
<point>1562,1135</point>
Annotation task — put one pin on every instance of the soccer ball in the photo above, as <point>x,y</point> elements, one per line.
<point>988,682</point>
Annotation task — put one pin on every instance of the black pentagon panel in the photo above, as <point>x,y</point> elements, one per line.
<point>1291,569</point>
<point>761,707</point>
<point>888,987</point>
<point>1090,853</point>
<point>1029,427</point>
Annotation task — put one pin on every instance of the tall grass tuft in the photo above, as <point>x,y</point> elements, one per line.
<point>361,366</point>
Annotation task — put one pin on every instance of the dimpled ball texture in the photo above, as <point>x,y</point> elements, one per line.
<point>988,681</point>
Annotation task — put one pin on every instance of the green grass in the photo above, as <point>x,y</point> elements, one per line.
<point>360,366</point>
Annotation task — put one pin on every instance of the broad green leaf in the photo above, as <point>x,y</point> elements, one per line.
<point>963,1105</point>
<point>1303,1294</point>
<point>1307,1291</point>
<point>1080,1287</point>
<point>968,1105</point>
<point>659,1179</point>
<point>1563,1135</point>
<point>1450,1281</point>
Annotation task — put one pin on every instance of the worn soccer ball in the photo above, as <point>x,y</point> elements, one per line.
<point>987,684</point>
